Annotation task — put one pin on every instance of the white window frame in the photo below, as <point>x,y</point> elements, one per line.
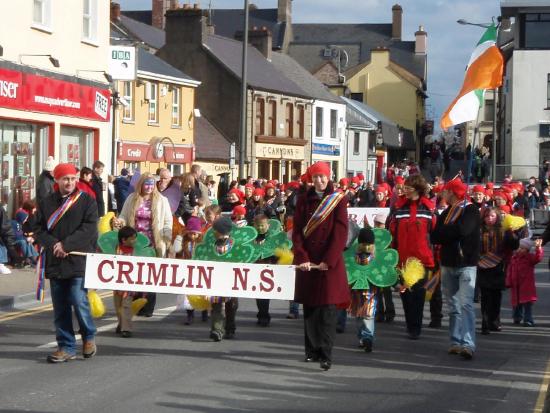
<point>89,20</point>
<point>128,95</point>
<point>176,112</point>
<point>319,121</point>
<point>153,103</point>
<point>46,13</point>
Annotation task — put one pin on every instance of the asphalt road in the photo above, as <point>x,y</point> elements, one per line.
<point>168,367</point>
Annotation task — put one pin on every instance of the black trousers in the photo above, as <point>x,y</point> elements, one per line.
<point>320,331</point>
<point>413,306</point>
<point>436,304</point>
<point>385,307</point>
<point>490,308</point>
<point>263,309</point>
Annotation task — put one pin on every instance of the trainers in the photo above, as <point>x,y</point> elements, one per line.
<point>455,349</point>
<point>291,316</point>
<point>89,349</point>
<point>4,270</point>
<point>366,345</point>
<point>126,334</point>
<point>528,324</point>
<point>60,356</point>
<point>216,336</point>
<point>467,353</point>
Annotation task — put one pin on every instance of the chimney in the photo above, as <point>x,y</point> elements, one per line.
<point>261,39</point>
<point>115,12</point>
<point>284,11</point>
<point>174,4</point>
<point>396,23</point>
<point>421,42</point>
<point>158,11</point>
<point>187,25</point>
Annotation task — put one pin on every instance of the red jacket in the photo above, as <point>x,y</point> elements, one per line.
<point>326,244</point>
<point>520,277</point>
<point>86,187</point>
<point>411,223</point>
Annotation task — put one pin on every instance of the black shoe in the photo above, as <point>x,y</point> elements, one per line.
<point>229,335</point>
<point>413,336</point>
<point>216,336</point>
<point>263,323</point>
<point>126,334</point>
<point>495,328</point>
<point>434,324</point>
<point>485,331</point>
<point>389,318</point>
<point>310,359</point>
<point>367,346</point>
<point>325,364</point>
<point>340,329</point>
<point>118,330</point>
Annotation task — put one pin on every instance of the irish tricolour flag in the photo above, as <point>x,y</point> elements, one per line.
<point>484,72</point>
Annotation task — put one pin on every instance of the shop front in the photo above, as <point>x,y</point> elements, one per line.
<point>329,154</point>
<point>148,157</point>
<point>47,114</point>
<point>282,163</point>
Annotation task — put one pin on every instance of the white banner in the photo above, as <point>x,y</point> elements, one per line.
<point>357,215</point>
<point>172,276</point>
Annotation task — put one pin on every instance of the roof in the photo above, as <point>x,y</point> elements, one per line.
<point>390,130</point>
<point>261,73</point>
<point>150,35</point>
<point>210,143</point>
<point>149,63</point>
<point>357,40</point>
<point>309,83</point>
<point>228,21</point>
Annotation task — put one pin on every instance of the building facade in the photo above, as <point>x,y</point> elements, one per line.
<point>56,101</point>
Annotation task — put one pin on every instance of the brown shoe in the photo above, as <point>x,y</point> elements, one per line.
<point>89,349</point>
<point>60,356</point>
<point>454,349</point>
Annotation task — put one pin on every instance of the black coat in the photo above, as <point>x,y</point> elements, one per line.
<point>97,186</point>
<point>77,231</point>
<point>7,238</point>
<point>122,186</point>
<point>460,242</point>
<point>44,185</point>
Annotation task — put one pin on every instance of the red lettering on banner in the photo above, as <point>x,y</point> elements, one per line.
<point>124,272</point>
<point>140,273</point>
<point>266,276</point>
<point>207,278</point>
<point>175,268</point>
<point>157,276</point>
<point>190,269</point>
<point>100,270</point>
<point>243,279</point>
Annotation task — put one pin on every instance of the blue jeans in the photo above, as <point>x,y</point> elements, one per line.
<point>458,284</point>
<point>66,295</point>
<point>294,308</point>
<point>524,311</point>
<point>27,250</point>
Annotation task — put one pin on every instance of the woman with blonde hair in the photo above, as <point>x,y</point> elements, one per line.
<point>149,212</point>
<point>188,200</point>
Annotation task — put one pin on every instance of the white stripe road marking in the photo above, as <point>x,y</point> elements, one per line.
<point>159,314</point>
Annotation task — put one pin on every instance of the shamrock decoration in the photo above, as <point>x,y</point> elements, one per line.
<point>275,238</point>
<point>108,243</point>
<point>243,249</point>
<point>380,271</point>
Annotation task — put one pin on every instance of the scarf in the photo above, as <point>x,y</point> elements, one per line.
<point>322,212</point>
<point>490,244</point>
<point>455,212</point>
<point>53,220</point>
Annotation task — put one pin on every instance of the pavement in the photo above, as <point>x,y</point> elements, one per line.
<point>18,289</point>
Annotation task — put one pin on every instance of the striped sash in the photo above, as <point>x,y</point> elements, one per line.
<point>52,222</point>
<point>455,212</point>
<point>322,212</point>
<point>489,247</point>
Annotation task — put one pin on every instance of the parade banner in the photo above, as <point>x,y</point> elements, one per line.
<point>173,276</point>
<point>358,215</point>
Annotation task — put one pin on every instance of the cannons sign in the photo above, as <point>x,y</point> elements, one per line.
<point>162,275</point>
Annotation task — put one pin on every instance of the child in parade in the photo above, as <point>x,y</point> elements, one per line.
<point>520,278</point>
<point>211,213</point>
<point>238,216</point>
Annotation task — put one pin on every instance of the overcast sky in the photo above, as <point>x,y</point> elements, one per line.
<point>449,44</point>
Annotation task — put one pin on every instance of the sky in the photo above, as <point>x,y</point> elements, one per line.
<point>449,44</point>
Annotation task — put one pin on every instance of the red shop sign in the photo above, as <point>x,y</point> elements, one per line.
<point>141,152</point>
<point>25,91</point>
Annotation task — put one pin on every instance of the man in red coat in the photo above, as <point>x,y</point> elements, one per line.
<point>319,237</point>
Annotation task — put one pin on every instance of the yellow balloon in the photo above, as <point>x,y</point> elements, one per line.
<point>104,224</point>
<point>97,308</point>
<point>412,272</point>
<point>138,304</point>
<point>285,256</point>
<point>511,222</point>
<point>199,302</point>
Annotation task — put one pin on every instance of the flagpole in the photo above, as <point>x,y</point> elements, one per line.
<point>494,143</point>
<point>471,156</point>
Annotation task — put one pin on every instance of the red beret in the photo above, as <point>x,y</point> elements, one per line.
<point>269,185</point>
<point>399,180</point>
<point>239,194</point>
<point>259,191</point>
<point>282,187</point>
<point>361,176</point>
<point>478,188</point>
<point>320,168</point>
<point>64,169</point>
<point>438,188</point>
<point>356,180</point>
<point>490,185</point>
<point>380,190</point>
<point>457,187</point>
<point>305,178</point>
<point>239,210</point>
<point>293,185</point>
<point>344,182</point>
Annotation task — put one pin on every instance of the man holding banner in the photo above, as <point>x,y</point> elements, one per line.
<point>319,238</point>
<point>66,221</point>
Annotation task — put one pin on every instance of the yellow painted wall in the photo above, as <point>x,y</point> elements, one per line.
<point>387,92</point>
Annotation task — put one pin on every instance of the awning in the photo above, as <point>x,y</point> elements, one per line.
<point>143,151</point>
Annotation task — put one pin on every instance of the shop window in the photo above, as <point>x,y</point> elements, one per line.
<point>128,111</point>
<point>89,21</point>
<point>131,166</point>
<point>42,15</point>
<point>275,165</point>
<point>260,117</point>
<point>296,170</point>
<point>263,169</point>
<point>153,107</point>
<point>301,122</point>
<point>333,123</point>
<point>273,118</point>
<point>176,117</point>
<point>289,120</point>
<point>176,169</point>
<point>319,122</point>
<point>76,146</point>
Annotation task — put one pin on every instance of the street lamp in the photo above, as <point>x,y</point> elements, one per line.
<point>53,60</point>
<point>244,100</point>
<point>467,23</point>
<point>106,75</point>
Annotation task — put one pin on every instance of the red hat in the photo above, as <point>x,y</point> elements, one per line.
<point>361,176</point>
<point>501,194</point>
<point>319,168</point>
<point>457,187</point>
<point>305,178</point>
<point>259,191</point>
<point>399,180</point>
<point>438,188</point>
<point>356,180</point>
<point>380,190</point>
<point>490,185</point>
<point>239,194</point>
<point>273,182</point>
<point>64,169</point>
<point>249,186</point>
<point>293,185</point>
<point>478,188</point>
<point>282,187</point>
<point>238,210</point>
<point>269,185</point>
<point>344,182</point>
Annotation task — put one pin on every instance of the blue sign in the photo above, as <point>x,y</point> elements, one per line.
<point>322,149</point>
